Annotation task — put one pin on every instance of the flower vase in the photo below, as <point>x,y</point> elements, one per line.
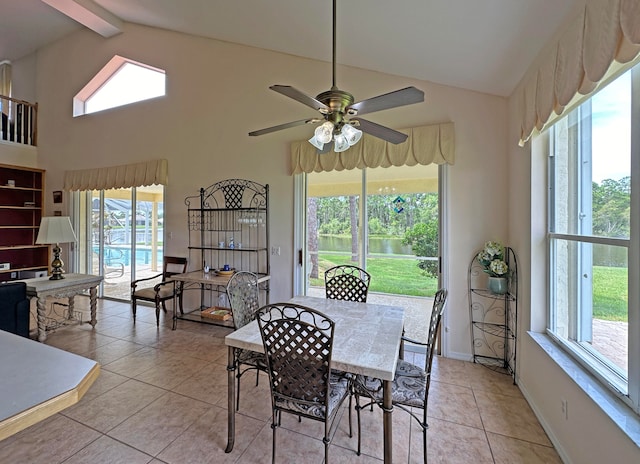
<point>498,285</point>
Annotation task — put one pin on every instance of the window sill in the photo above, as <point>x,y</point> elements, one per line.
<point>621,414</point>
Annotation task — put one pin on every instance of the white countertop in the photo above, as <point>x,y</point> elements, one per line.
<point>38,380</point>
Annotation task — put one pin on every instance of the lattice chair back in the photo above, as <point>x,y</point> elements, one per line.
<point>298,343</point>
<point>242,292</point>
<point>434,323</point>
<point>410,387</point>
<point>347,282</point>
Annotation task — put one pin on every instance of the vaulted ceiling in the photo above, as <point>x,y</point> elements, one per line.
<point>484,45</point>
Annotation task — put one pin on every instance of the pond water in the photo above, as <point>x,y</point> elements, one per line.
<point>122,254</point>
<point>384,245</point>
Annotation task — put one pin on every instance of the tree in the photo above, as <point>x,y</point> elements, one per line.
<point>312,235</point>
<point>611,207</point>
<point>423,239</point>
<point>353,216</point>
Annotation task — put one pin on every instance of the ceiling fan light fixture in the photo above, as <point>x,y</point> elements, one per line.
<point>338,109</point>
<point>316,143</point>
<point>324,132</point>
<point>340,143</point>
<point>352,134</point>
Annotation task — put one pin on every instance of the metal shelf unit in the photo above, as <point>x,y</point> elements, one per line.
<point>228,223</point>
<point>494,318</point>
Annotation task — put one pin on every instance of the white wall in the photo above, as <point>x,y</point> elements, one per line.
<point>588,435</point>
<point>20,155</point>
<point>217,92</point>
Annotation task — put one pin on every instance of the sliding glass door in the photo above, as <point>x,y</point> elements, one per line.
<point>120,236</point>
<point>385,220</point>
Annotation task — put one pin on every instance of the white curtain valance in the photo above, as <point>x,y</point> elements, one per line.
<point>427,144</point>
<point>113,177</point>
<point>605,31</point>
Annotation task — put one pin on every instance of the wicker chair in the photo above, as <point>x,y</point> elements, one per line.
<point>410,388</point>
<point>242,292</point>
<point>298,342</point>
<point>163,291</point>
<point>346,282</point>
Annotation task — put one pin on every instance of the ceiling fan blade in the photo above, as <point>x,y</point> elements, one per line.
<point>303,98</point>
<point>285,126</point>
<point>406,96</point>
<point>382,132</point>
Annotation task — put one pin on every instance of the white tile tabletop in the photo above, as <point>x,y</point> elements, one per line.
<point>366,339</point>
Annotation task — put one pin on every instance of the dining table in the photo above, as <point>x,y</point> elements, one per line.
<point>366,341</point>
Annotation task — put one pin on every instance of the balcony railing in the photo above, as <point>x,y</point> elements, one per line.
<point>19,121</point>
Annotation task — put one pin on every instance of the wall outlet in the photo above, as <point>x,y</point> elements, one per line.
<point>275,251</point>
<point>564,404</point>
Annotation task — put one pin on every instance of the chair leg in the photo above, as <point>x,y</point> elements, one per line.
<point>358,417</point>
<point>350,428</point>
<point>326,440</point>
<point>424,443</point>
<point>424,426</point>
<point>133,308</point>
<point>180,303</point>
<point>238,390</point>
<point>157,314</point>
<point>274,425</point>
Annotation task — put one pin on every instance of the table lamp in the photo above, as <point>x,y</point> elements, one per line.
<point>53,231</point>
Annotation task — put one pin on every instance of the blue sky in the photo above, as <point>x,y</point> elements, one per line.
<point>611,131</point>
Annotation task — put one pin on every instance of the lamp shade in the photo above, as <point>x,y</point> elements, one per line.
<point>352,134</point>
<point>324,132</point>
<point>55,229</point>
<point>340,143</point>
<point>316,143</point>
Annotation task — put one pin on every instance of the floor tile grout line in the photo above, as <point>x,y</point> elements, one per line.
<point>102,434</point>
<point>484,385</point>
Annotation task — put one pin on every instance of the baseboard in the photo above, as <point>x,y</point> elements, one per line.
<point>548,430</point>
<point>458,356</point>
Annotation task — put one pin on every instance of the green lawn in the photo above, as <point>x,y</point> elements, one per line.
<point>610,296</point>
<point>388,275</point>
<point>402,277</point>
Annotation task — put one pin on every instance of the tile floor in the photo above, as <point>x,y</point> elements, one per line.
<point>161,398</point>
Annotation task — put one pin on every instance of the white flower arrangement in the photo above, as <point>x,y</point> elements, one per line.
<point>491,257</point>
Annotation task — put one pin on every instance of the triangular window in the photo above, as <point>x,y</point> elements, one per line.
<point>120,82</point>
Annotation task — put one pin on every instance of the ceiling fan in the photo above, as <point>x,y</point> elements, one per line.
<point>341,128</point>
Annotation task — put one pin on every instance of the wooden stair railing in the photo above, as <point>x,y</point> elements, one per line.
<point>19,121</point>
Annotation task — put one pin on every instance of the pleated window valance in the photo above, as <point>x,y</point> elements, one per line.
<point>605,31</point>
<point>114,177</point>
<point>427,144</point>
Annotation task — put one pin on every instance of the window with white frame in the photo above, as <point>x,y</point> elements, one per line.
<point>120,82</point>
<point>593,246</point>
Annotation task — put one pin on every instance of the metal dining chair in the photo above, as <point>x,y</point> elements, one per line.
<point>347,282</point>
<point>163,291</point>
<point>243,296</point>
<point>298,343</point>
<point>410,387</point>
